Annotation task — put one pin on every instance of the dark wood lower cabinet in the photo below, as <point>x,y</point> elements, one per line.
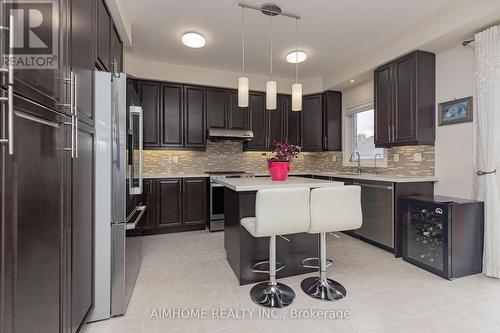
<point>148,220</point>
<point>174,204</point>
<point>194,198</point>
<point>82,229</point>
<point>169,203</point>
<point>35,218</point>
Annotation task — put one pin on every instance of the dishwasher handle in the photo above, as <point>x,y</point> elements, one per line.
<point>384,187</point>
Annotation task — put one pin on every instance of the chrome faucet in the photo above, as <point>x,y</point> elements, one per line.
<point>377,155</point>
<point>358,160</point>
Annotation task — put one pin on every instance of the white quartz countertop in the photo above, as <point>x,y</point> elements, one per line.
<point>259,183</point>
<point>373,177</point>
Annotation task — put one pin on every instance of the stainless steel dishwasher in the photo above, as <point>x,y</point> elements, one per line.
<point>377,202</point>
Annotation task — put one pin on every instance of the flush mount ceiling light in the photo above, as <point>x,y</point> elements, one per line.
<point>193,40</point>
<point>296,57</point>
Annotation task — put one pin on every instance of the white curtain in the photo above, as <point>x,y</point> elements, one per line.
<point>487,141</point>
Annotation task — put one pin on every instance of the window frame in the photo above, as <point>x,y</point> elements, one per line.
<point>348,130</point>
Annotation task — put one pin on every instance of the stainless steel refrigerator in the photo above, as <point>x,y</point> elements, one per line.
<point>117,257</point>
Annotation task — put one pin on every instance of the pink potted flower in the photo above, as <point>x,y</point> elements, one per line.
<point>281,158</point>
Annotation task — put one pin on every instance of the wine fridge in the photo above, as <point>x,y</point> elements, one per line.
<point>443,235</point>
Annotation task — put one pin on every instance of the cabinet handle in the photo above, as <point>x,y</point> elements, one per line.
<point>75,111</point>
<point>389,137</point>
<point>74,119</point>
<point>10,96</point>
<point>325,142</point>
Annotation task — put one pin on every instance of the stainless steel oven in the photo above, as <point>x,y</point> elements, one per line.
<point>217,197</point>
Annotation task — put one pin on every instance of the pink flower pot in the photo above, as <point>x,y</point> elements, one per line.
<point>279,170</point>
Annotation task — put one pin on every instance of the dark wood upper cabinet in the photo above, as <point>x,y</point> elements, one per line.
<point>194,200</point>
<point>116,51</point>
<point>258,121</point>
<point>405,101</point>
<point>276,121</point>
<point>172,115</point>
<point>195,115</point>
<point>383,105</point>
<point>332,121</point>
<point>238,117</point>
<point>149,93</point>
<point>169,203</point>
<point>312,123</point>
<point>148,220</point>
<point>45,86</point>
<point>217,108</point>
<point>293,121</point>
<point>103,35</point>
<point>82,56</point>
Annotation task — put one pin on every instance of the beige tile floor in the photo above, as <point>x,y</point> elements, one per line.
<point>385,294</point>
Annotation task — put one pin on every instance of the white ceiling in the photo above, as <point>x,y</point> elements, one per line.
<point>332,32</point>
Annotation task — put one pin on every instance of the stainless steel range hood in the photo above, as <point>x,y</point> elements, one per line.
<point>215,134</point>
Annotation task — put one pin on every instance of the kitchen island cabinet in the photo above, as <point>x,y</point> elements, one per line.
<point>243,250</point>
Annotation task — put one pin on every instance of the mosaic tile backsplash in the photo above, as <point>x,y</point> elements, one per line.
<point>224,156</point>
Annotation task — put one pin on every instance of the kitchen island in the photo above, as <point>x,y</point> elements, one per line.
<point>243,250</point>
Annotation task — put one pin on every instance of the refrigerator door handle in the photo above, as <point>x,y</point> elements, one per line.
<point>137,111</point>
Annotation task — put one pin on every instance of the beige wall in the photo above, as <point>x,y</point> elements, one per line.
<point>454,143</point>
<point>210,77</point>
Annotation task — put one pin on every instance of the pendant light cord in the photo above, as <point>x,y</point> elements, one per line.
<point>271,41</point>
<point>243,38</point>
<point>296,51</point>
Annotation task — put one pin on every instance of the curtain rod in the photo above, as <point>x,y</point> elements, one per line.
<point>467,42</point>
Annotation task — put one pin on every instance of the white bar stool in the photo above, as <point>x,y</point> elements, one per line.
<point>277,212</point>
<point>332,209</point>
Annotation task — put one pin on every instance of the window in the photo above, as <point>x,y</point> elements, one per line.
<point>360,137</point>
<point>363,135</point>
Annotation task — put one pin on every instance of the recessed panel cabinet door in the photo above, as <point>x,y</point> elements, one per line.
<point>217,105</point>
<point>169,203</point>
<point>82,227</point>
<point>258,121</point>
<point>195,114</point>
<point>35,193</point>
<point>405,112</point>
<point>238,117</point>
<point>116,52</point>
<point>148,220</point>
<point>383,105</point>
<point>82,56</point>
<point>103,35</point>
<point>195,200</point>
<point>293,122</point>
<point>312,123</point>
<point>332,121</point>
<point>41,61</point>
<point>276,121</point>
<point>172,115</point>
<point>149,97</point>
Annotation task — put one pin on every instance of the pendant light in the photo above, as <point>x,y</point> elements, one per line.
<point>271,85</point>
<point>243,84</point>
<point>296,87</point>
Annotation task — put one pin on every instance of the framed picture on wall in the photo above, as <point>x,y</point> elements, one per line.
<point>456,111</point>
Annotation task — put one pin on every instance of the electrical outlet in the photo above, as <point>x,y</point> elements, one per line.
<point>169,160</point>
<point>334,158</point>
<point>396,158</point>
<point>176,158</point>
<point>417,157</point>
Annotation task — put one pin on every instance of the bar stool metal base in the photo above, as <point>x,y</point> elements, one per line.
<point>272,296</point>
<point>328,290</point>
